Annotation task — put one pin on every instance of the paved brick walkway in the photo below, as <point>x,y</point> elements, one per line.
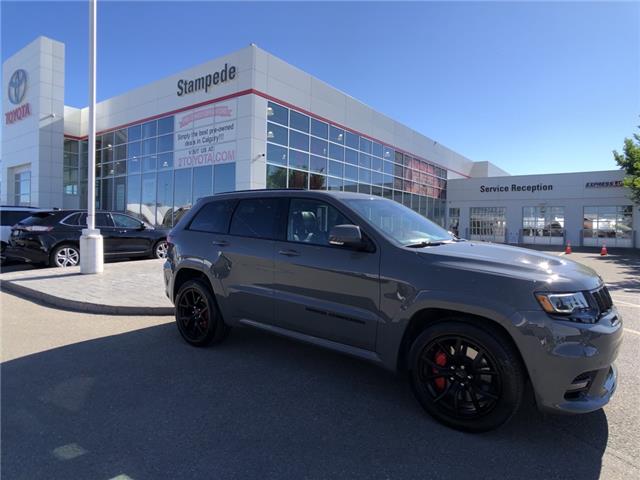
<point>124,288</point>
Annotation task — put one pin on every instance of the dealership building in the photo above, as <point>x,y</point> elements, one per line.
<point>249,120</point>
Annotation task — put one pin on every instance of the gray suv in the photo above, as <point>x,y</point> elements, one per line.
<point>470,322</point>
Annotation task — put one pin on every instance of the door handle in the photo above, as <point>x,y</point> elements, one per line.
<point>220,243</point>
<point>289,253</point>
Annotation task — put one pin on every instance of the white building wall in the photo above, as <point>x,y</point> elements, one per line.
<point>569,190</point>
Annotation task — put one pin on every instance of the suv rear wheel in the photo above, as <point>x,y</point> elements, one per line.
<point>466,377</point>
<point>65,256</point>
<point>197,315</point>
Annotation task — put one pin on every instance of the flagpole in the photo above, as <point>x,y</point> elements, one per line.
<point>91,244</point>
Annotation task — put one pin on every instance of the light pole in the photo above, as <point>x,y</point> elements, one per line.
<point>91,246</point>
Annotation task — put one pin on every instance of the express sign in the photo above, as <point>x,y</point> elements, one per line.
<point>16,91</point>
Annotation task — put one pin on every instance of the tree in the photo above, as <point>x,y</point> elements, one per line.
<point>629,161</point>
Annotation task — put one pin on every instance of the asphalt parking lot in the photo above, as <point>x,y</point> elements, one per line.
<point>98,397</point>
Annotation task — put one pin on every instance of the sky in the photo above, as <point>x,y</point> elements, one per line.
<point>532,87</point>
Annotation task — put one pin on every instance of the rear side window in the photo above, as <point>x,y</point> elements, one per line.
<point>103,220</point>
<point>10,218</point>
<point>213,217</point>
<point>258,218</point>
<point>37,218</point>
<point>125,221</point>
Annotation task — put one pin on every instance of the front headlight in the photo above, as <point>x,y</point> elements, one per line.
<point>573,305</point>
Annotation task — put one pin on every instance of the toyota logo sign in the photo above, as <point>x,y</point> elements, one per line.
<point>17,86</point>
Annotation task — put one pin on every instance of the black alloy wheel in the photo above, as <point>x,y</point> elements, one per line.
<point>197,316</point>
<point>465,377</point>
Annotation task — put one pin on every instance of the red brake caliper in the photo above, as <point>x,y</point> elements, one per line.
<point>441,360</point>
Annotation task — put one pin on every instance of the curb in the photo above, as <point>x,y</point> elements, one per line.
<point>84,307</point>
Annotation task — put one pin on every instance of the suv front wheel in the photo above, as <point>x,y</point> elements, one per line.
<point>467,377</point>
<point>197,315</point>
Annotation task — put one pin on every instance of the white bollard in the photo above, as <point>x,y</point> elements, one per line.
<point>91,252</point>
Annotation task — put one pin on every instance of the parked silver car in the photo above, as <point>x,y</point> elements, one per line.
<point>470,322</point>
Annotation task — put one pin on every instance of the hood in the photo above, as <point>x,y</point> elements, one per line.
<point>549,272</point>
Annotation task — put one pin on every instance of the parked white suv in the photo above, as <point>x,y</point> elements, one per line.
<point>9,216</point>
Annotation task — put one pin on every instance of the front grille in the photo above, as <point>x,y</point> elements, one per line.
<point>601,299</point>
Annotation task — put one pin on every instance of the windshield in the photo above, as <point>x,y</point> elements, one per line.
<point>398,222</point>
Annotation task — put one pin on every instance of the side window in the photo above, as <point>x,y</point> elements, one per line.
<point>10,218</point>
<point>103,220</point>
<point>125,221</point>
<point>213,217</point>
<point>258,218</point>
<point>310,221</point>
<point>71,220</point>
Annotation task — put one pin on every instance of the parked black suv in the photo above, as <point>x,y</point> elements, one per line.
<point>52,237</point>
<point>471,322</point>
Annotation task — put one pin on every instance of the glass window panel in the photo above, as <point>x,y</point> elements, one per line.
<point>319,147</point>
<point>120,168</point>
<point>107,140</point>
<point>70,160</point>
<point>336,152</point>
<point>362,188</point>
<point>350,186</point>
<point>134,133</point>
<point>106,155</point>
<point>336,135</point>
<point>149,163</point>
<point>165,125</point>
<point>318,164</point>
<point>257,218</point>
<point>224,177</point>
<point>165,143</point>
<point>351,172</point>
<point>165,160</point>
<point>365,145</point>
<point>70,146</point>
<point>317,182</point>
<point>134,150</point>
<point>406,160</point>
<point>319,129</point>
<point>277,134</point>
<point>387,193</point>
<point>376,164</point>
<point>107,169</point>
<point>276,177</point>
<point>336,168</point>
<point>298,179</point>
<point>298,121</point>
<point>298,140</point>
<point>120,152</point>
<point>277,113</point>
<point>365,160</point>
<point>106,192</point>
<point>182,188</point>
<point>120,136</point>
<point>351,156</point>
<point>276,154</point>
<point>134,165</point>
<point>388,181</point>
<point>149,129</point>
<point>397,183</point>
<point>398,170</point>
<point>376,178</point>
<point>148,210</point>
<point>352,140</point>
<point>364,175</point>
<point>202,182</point>
<point>298,160</point>
<point>334,184</point>
<point>164,198</point>
<point>148,147</point>
<point>376,191</point>
<point>120,194</point>
<point>376,149</point>
<point>398,158</point>
<point>388,153</point>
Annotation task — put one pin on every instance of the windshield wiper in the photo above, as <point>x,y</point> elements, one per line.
<point>424,243</point>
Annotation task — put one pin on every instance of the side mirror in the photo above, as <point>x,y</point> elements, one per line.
<point>346,236</point>
<point>142,226</point>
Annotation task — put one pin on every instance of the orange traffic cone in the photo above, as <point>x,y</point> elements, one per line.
<point>567,250</point>
<point>603,251</point>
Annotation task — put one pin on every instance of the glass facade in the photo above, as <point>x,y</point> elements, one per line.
<point>304,152</point>
<point>22,188</point>
<point>608,222</point>
<point>487,223</point>
<point>135,172</point>
<point>543,221</point>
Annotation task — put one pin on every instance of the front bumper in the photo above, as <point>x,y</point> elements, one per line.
<point>570,364</point>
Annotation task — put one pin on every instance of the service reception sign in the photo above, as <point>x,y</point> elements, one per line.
<point>206,135</point>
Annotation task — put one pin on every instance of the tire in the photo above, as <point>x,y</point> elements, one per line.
<point>66,255</point>
<point>203,326</point>
<point>160,249</point>
<point>476,389</point>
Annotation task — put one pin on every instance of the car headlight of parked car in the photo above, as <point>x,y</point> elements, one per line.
<point>575,306</point>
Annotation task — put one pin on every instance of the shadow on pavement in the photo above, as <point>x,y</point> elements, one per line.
<point>146,405</point>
